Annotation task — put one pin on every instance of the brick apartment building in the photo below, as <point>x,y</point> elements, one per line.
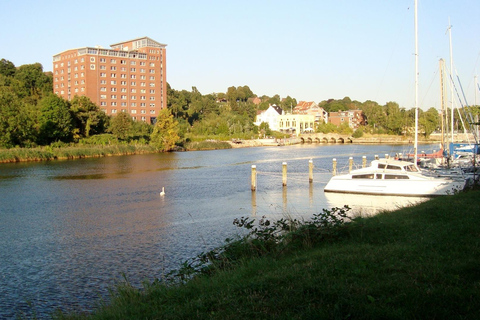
<point>130,77</point>
<point>354,118</point>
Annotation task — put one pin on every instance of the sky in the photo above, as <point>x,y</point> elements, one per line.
<point>308,50</point>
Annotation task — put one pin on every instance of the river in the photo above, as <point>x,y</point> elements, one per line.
<point>69,230</point>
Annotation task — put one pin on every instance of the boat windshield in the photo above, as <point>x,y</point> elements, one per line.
<point>411,168</point>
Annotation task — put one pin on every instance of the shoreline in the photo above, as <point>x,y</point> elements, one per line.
<point>16,155</point>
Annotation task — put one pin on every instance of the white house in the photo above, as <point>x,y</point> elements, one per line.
<point>269,116</point>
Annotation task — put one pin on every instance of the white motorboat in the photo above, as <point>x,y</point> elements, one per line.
<point>394,178</point>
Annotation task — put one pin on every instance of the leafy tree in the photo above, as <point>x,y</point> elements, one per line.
<point>56,122</point>
<point>428,121</point>
<point>88,117</point>
<point>288,103</point>
<point>121,125</point>
<point>7,68</point>
<point>33,78</point>
<point>165,131</point>
<point>394,118</point>
<point>12,119</point>
<point>265,128</point>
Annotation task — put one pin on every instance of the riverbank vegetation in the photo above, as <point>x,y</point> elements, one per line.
<point>32,117</point>
<point>419,262</point>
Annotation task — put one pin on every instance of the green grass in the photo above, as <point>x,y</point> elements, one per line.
<point>71,152</point>
<point>419,262</point>
<point>206,145</point>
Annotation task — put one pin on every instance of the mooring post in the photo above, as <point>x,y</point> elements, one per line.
<point>334,166</point>
<point>350,164</point>
<point>310,170</point>
<point>254,177</point>
<point>364,161</point>
<point>284,173</point>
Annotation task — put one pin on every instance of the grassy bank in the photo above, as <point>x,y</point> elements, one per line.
<point>419,262</point>
<point>71,152</point>
<point>206,145</point>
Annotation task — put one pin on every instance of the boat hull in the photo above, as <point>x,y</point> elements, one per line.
<point>407,188</point>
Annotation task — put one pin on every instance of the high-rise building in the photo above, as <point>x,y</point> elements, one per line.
<point>130,77</point>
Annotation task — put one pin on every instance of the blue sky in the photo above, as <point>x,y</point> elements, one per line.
<point>309,50</point>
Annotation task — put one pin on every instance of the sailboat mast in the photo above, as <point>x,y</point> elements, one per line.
<point>451,74</point>
<point>415,147</point>
<point>442,99</point>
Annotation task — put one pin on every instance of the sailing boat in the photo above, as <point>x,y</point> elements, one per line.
<point>395,177</point>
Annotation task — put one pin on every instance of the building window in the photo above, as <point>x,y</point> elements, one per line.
<point>143,111</point>
<point>103,60</point>
<point>113,82</point>
<point>114,110</point>
<point>92,67</point>
<point>113,61</point>
<point>152,91</point>
<point>133,90</point>
<point>133,69</point>
<point>133,63</point>
<point>133,111</point>
<point>152,70</point>
<point>132,76</point>
<point>133,83</point>
<point>152,105</point>
<point>103,103</point>
<point>123,97</point>
<point>152,111</point>
<point>103,96</point>
<point>113,75</point>
<point>103,74</point>
<point>92,59</point>
<point>103,89</point>
<point>152,98</point>
<point>113,68</point>
<point>113,89</point>
<point>133,97</point>
<point>113,103</point>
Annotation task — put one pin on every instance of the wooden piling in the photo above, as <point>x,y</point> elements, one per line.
<point>334,171</point>
<point>350,164</point>
<point>284,173</point>
<point>364,161</point>
<point>254,177</point>
<point>310,170</point>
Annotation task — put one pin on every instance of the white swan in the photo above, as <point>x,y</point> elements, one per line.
<point>163,191</point>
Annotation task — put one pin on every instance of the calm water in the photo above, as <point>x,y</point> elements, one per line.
<point>70,229</point>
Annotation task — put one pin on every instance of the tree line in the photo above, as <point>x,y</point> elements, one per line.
<point>31,115</point>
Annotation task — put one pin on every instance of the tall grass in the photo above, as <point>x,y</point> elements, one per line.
<point>418,262</point>
<point>71,152</point>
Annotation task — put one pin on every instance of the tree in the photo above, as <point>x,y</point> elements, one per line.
<point>428,121</point>
<point>394,118</point>
<point>88,118</point>
<point>16,126</point>
<point>165,132</point>
<point>33,78</point>
<point>7,68</point>
<point>121,125</point>
<point>56,123</point>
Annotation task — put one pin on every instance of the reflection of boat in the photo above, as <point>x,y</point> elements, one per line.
<point>393,177</point>
<point>366,205</point>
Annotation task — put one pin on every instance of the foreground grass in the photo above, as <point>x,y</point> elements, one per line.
<point>419,262</point>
